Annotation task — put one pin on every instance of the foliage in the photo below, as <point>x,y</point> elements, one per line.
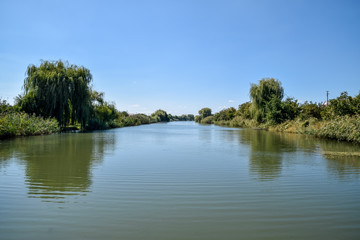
<point>345,128</point>
<point>337,120</point>
<point>5,107</point>
<point>239,121</point>
<point>290,109</point>
<point>126,120</point>
<point>341,106</point>
<point>57,89</point>
<point>341,128</point>
<point>244,110</point>
<point>273,111</point>
<point>102,113</point>
<point>183,117</point>
<point>311,110</point>
<point>21,124</point>
<point>225,114</point>
<point>265,97</point>
<point>203,113</point>
<point>160,116</point>
<point>207,120</point>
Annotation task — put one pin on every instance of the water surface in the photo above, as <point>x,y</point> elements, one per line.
<point>178,181</point>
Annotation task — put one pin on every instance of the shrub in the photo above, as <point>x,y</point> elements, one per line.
<point>207,120</point>
<point>22,124</point>
<point>341,128</point>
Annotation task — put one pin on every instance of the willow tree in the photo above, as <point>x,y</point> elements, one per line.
<point>59,90</point>
<point>160,116</point>
<point>265,96</point>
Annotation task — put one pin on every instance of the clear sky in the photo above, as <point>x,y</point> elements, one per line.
<point>183,55</point>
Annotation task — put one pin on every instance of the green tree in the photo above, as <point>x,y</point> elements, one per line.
<point>311,110</point>
<point>289,109</point>
<point>273,111</point>
<point>5,107</point>
<point>160,116</point>
<point>225,114</point>
<point>102,113</point>
<point>343,105</point>
<point>244,110</point>
<point>265,98</point>
<point>205,112</point>
<point>57,89</point>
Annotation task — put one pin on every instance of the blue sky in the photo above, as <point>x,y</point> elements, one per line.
<point>181,56</point>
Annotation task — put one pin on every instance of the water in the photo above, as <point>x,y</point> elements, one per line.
<point>178,181</point>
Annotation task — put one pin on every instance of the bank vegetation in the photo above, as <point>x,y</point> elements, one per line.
<point>58,97</point>
<point>339,118</point>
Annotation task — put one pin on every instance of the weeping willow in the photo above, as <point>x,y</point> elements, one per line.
<point>262,94</point>
<point>59,90</point>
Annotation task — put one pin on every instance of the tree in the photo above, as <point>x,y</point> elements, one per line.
<point>203,113</point>
<point>102,113</point>
<point>289,109</point>
<point>343,105</point>
<point>265,97</point>
<point>244,110</point>
<point>57,89</point>
<point>160,116</point>
<point>311,110</point>
<point>225,114</point>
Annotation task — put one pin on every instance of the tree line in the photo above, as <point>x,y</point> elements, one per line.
<point>267,108</point>
<point>63,92</point>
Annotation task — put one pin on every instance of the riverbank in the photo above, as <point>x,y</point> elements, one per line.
<point>22,124</point>
<point>341,128</point>
<point>337,118</point>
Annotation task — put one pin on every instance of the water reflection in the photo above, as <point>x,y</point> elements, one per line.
<point>59,165</point>
<point>341,162</point>
<point>266,153</point>
<point>268,148</point>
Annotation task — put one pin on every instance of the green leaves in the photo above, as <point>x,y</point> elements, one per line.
<point>203,113</point>
<point>160,116</point>
<point>264,98</point>
<point>55,89</point>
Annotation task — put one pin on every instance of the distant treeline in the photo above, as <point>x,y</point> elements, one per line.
<point>59,96</point>
<point>337,119</point>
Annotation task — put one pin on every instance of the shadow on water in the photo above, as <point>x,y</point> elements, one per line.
<point>59,165</point>
<point>266,157</point>
<point>340,159</point>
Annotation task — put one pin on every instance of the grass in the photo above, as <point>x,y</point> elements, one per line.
<point>22,124</point>
<point>342,154</point>
<point>343,128</point>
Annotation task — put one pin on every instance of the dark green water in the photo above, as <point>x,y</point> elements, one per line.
<point>178,181</point>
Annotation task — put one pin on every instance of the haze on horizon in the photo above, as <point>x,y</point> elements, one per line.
<point>180,56</point>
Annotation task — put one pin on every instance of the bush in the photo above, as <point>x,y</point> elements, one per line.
<point>244,110</point>
<point>22,124</point>
<point>311,110</point>
<point>203,113</point>
<point>241,122</point>
<point>345,128</point>
<point>197,118</point>
<point>160,116</point>
<point>207,120</point>
<point>225,115</point>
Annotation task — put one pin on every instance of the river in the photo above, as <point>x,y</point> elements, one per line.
<point>178,180</point>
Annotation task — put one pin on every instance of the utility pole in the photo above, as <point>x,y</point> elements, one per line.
<point>327,98</point>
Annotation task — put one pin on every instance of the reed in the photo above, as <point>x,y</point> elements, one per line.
<point>22,124</point>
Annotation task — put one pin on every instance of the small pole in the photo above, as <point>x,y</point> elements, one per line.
<point>327,98</point>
